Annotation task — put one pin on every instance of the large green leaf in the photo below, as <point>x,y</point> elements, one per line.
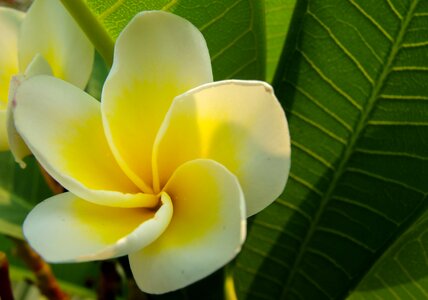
<point>278,17</point>
<point>234,29</point>
<point>354,83</point>
<point>402,272</point>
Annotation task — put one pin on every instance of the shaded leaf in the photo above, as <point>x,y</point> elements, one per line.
<point>402,271</point>
<point>355,89</point>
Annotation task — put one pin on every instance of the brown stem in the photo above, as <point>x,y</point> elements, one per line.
<point>5,284</point>
<point>45,278</point>
<point>55,187</point>
<point>110,281</point>
<point>134,293</point>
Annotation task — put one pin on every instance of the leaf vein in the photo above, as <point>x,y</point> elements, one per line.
<point>317,126</point>
<point>329,81</point>
<point>320,105</point>
<point>343,48</point>
<point>385,179</point>
<point>372,20</point>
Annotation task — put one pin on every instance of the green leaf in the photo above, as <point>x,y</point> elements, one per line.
<point>402,272</point>
<point>278,18</point>
<point>233,29</point>
<point>354,83</point>
<point>20,190</point>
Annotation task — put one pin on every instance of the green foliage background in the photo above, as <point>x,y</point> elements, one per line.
<point>353,80</point>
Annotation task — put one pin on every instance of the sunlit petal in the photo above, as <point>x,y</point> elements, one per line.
<point>237,123</point>
<point>10,21</point>
<point>62,127</point>
<point>17,145</point>
<point>206,230</point>
<point>66,228</point>
<point>157,57</point>
<point>50,30</point>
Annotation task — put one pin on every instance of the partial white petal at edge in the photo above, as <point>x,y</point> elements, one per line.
<point>65,228</point>
<point>38,66</point>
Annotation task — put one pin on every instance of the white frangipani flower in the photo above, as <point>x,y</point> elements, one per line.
<point>165,169</point>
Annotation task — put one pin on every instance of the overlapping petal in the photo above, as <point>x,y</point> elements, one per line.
<point>206,230</point>
<point>62,127</point>
<point>49,29</point>
<point>10,22</point>
<point>237,123</point>
<point>157,57</point>
<point>66,228</point>
<point>38,66</point>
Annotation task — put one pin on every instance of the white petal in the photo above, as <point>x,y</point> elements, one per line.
<point>10,22</point>
<point>206,231</point>
<point>66,228</point>
<point>17,145</point>
<point>49,29</point>
<point>62,127</point>
<point>157,57</point>
<point>237,123</point>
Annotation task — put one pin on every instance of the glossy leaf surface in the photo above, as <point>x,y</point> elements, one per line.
<point>355,91</point>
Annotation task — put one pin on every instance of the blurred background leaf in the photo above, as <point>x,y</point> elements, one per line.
<point>354,82</point>
<point>20,190</point>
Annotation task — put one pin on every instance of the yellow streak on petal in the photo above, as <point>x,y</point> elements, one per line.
<point>6,74</point>
<point>194,193</point>
<point>84,164</point>
<point>10,20</point>
<point>134,119</point>
<point>51,56</point>
<point>97,220</point>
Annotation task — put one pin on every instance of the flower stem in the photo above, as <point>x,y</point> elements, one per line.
<point>53,185</point>
<point>45,278</point>
<point>110,281</point>
<point>5,284</point>
<point>94,30</point>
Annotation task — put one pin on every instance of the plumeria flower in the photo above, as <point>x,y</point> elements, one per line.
<point>165,169</point>
<point>45,40</point>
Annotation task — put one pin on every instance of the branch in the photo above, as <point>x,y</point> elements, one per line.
<point>110,281</point>
<point>53,185</point>
<point>5,284</point>
<point>45,278</point>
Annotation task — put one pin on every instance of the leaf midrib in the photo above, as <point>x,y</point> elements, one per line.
<point>364,117</point>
